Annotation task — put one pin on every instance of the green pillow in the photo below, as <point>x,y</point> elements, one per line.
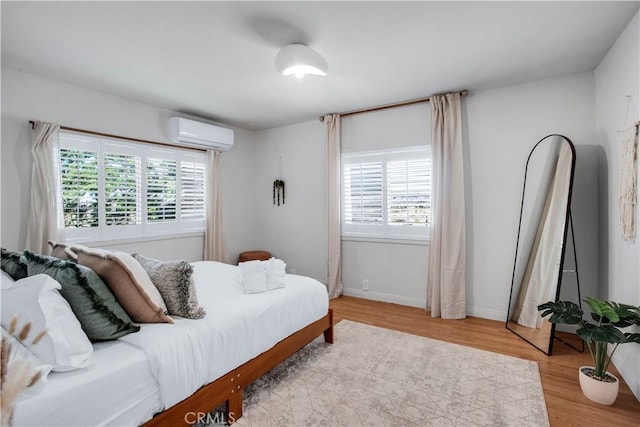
<point>100,315</point>
<point>13,265</point>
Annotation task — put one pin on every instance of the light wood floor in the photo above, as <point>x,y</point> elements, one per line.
<point>565,403</point>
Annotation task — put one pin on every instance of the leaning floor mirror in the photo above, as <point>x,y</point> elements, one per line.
<point>542,237</point>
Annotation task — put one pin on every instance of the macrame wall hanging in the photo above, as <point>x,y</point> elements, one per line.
<point>278,188</point>
<point>628,190</point>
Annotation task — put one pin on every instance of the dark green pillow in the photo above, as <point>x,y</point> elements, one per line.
<point>100,315</point>
<point>13,265</point>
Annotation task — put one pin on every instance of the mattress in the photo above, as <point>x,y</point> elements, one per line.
<point>117,389</point>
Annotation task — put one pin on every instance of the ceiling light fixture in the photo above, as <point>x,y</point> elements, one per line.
<point>299,59</point>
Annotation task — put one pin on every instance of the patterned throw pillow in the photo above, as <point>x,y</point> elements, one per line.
<point>95,306</point>
<point>173,280</point>
<point>13,264</point>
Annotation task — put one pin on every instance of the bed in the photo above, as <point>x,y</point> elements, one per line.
<point>174,374</point>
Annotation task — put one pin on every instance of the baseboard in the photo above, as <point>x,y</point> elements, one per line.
<point>487,313</point>
<point>416,302</point>
<point>380,296</point>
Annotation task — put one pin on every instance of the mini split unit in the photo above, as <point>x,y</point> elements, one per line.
<point>193,134</point>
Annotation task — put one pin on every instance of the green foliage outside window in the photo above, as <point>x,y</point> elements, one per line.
<point>122,189</point>
<point>79,179</point>
<point>161,190</point>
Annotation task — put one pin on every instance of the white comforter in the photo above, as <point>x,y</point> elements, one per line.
<point>238,327</point>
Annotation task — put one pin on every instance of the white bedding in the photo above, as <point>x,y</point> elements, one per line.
<point>238,327</point>
<point>140,374</point>
<point>117,389</point>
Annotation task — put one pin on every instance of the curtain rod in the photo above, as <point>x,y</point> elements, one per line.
<point>126,138</point>
<point>464,92</point>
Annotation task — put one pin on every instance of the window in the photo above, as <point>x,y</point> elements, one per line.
<point>161,190</point>
<point>122,189</point>
<point>79,180</point>
<point>115,189</point>
<point>387,194</point>
<point>192,173</point>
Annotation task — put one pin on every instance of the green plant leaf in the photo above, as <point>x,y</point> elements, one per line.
<point>628,314</point>
<point>605,333</point>
<point>597,317</point>
<point>565,312</point>
<point>629,337</point>
<point>586,332</point>
<point>602,309</point>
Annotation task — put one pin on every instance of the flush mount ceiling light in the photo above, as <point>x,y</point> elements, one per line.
<point>299,59</point>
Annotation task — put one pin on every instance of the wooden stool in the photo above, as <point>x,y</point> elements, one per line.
<point>254,255</point>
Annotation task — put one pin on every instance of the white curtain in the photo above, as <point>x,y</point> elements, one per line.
<point>333,203</point>
<point>214,247</point>
<point>45,211</point>
<point>446,271</point>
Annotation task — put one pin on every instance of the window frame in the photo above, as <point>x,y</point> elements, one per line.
<point>145,229</point>
<point>384,231</point>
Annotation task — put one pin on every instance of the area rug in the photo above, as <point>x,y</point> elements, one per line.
<point>377,377</point>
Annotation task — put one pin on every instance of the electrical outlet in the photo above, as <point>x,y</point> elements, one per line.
<point>365,284</point>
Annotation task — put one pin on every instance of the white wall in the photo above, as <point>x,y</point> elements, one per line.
<point>396,272</point>
<point>617,77</point>
<point>295,231</point>
<point>30,97</point>
<point>502,126</point>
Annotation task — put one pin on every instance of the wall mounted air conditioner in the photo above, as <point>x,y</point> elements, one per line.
<point>190,133</point>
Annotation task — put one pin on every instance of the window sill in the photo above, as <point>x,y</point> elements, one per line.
<point>144,239</point>
<point>390,241</point>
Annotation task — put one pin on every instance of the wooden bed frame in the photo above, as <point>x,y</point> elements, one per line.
<point>228,388</point>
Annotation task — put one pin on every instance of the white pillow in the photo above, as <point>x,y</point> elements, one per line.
<point>36,298</point>
<point>6,281</point>
<point>253,277</point>
<point>276,272</point>
<point>19,351</point>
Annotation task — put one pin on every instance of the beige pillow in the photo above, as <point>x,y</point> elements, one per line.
<point>126,278</point>
<point>64,250</point>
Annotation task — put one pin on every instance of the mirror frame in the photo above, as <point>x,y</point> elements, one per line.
<point>567,220</point>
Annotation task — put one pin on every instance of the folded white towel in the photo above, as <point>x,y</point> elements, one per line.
<point>276,272</point>
<point>253,277</point>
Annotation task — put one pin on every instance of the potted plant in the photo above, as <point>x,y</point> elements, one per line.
<point>596,383</point>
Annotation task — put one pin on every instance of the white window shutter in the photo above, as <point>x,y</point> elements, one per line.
<point>409,191</point>
<point>387,194</point>
<point>363,193</point>
<point>192,174</point>
<point>161,190</point>
<point>79,181</point>
<point>114,189</point>
<point>123,189</point>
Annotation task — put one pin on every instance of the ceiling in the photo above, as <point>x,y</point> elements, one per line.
<point>216,59</point>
